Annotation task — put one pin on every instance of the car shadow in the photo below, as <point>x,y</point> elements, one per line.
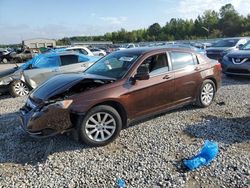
<point>5,95</point>
<point>235,80</point>
<point>18,147</point>
<point>223,130</point>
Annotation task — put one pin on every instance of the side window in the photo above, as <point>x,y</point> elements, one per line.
<point>68,59</point>
<point>181,60</point>
<point>45,62</point>
<point>156,64</point>
<point>84,52</point>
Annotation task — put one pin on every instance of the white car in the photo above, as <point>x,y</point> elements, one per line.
<point>80,49</point>
<point>98,52</point>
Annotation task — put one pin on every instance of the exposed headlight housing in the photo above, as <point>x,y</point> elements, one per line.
<point>64,104</point>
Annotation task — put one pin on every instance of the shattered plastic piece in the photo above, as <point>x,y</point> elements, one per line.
<point>206,155</point>
<point>121,183</point>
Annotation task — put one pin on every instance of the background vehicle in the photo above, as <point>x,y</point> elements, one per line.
<point>186,46</point>
<point>21,80</point>
<point>22,56</point>
<point>121,87</point>
<point>225,45</point>
<point>5,56</point>
<point>97,51</point>
<point>80,49</point>
<point>237,62</point>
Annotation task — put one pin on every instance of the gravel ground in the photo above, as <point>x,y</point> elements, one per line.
<point>147,154</point>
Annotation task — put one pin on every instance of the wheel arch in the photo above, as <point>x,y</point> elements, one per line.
<point>213,80</point>
<point>117,106</point>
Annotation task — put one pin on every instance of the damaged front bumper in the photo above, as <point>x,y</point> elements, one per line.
<point>47,120</point>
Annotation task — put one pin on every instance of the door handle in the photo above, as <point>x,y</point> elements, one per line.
<point>55,70</point>
<point>166,77</point>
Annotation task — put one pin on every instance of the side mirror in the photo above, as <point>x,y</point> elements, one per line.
<point>142,73</point>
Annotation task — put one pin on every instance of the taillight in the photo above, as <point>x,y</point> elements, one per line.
<point>218,66</point>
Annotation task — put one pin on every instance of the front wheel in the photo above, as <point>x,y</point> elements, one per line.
<point>19,88</point>
<point>207,93</point>
<point>101,125</point>
<point>5,60</point>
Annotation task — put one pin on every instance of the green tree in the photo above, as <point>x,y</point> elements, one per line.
<point>154,30</point>
<point>230,21</point>
<point>210,20</point>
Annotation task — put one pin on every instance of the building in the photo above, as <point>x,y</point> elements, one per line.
<point>39,43</point>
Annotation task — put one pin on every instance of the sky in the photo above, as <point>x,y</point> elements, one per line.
<point>26,19</point>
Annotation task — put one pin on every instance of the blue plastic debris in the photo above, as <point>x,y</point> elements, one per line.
<point>206,155</point>
<point>121,183</point>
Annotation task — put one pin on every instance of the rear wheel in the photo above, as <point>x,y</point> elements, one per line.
<point>19,88</point>
<point>101,125</point>
<point>207,93</point>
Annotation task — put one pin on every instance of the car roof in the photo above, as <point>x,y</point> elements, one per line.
<point>237,38</point>
<point>61,53</point>
<point>144,50</point>
<point>76,47</point>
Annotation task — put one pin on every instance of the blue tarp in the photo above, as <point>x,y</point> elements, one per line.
<point>208,153</point>
<point>53,60</point>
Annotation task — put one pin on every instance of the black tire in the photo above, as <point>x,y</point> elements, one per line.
<point>13,88</point>
<point>84,130</point>
<point>201,101</point>
<point>101,54</point>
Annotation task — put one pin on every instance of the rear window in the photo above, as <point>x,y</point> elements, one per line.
<point>182,59</point>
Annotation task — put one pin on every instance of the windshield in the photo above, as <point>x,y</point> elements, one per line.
<point>246,46</point>
<point>226,43</point>
<point>114,65</point>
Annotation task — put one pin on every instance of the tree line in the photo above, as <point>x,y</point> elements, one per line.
<point>211,24</point>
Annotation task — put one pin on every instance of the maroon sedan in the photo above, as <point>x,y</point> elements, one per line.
<point>117,89</point>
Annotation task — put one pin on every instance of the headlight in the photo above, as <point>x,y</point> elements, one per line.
<point>61,104</point>
<point>64,104</point>
<point>226,58</point>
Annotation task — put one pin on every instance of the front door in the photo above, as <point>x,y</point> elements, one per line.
<point>41,70</point>
<point>156,93</point>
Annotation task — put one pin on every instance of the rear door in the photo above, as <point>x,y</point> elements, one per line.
<point>187,75</point>
<point>72,63</point>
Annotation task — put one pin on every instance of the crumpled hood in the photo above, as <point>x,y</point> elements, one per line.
<point>61,83</point>
<point>240,54</point>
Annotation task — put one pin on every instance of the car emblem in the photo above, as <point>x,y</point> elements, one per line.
<point>238,60</point>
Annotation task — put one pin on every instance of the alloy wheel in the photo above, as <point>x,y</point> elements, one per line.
<point>100,126</point>
<point>207,93</point>
<point>21,89</point>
